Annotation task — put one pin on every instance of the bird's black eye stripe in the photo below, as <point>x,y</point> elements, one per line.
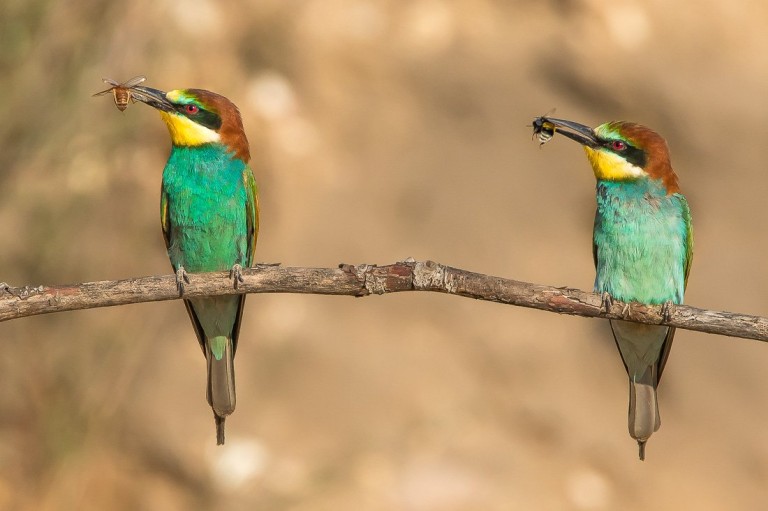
<point>632,154</point>
<point>202,117</point>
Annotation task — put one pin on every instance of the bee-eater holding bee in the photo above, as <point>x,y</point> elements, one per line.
<point>642,247</point>
<point>209,210</point>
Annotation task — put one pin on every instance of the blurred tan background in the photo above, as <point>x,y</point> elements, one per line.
<point>380,130</point>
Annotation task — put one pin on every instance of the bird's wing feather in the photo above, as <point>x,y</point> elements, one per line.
<point>594,253</point>
<point>252,224</point>
<point>252,212</point>
<point>686,214</point>
<point>665,348</point>
<point>196,324</point>
<point>164,222</point>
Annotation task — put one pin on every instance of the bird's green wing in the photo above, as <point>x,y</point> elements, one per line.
<point>252,212</point>
<point>252,224</point>
<point>686,213</point>
<point>164,219</point>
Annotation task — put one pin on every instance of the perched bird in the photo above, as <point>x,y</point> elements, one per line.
<point>642,248</point>
<point>209,210</point>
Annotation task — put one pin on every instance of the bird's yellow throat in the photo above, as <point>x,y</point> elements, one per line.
<point>610,166</point>
<point>185,132</point>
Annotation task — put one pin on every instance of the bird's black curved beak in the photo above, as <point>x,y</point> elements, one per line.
<point>580,133</point>
<point>152,97</point>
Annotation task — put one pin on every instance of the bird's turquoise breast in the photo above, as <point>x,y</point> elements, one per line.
<point>641,243</point>
<point>206,208</point>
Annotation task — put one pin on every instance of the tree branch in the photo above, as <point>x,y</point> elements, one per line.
<point>364,280</point>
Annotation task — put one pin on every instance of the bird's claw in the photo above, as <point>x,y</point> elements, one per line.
<point>666,311</point>
<point>182,277</point>
<point>4,287</point>
<point>626,311</point>
<point>236,274</point>
<point>606,302</point>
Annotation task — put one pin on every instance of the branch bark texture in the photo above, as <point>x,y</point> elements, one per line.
<point>363,280</point>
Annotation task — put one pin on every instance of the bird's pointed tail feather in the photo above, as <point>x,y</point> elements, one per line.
<point>644,418</point>
<point>219,429</point>
<point>221,381</point>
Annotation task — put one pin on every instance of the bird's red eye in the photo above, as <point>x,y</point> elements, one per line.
<point>191,109</point>
<point>618,145</point>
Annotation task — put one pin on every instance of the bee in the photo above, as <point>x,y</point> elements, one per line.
<point>543,129</point>
<point>121,91</point>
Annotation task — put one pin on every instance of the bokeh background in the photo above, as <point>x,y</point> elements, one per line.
<point>380,130</point>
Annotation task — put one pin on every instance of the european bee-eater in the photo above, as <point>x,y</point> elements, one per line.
<point>209,210</point>
<point>642,247</point>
